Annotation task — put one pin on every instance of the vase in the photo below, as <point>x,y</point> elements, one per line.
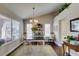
<point>73,42</point>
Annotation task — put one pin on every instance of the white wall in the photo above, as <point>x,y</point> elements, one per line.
<point>69,13</point>
<point>5,11</point>
<point>7,47</point>
<point>45,19</point>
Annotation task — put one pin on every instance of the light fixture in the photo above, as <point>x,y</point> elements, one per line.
<point>33,20</point>
<point>36,21</point>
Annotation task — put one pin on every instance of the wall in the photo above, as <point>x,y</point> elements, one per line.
<point>7,47</point>
<point>65,16</point>
<point>64,28</point>
<point>45,19</point>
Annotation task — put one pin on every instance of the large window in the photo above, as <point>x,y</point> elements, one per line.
<point>9,30</point>
<point>15,30</point>
<point>5,30</point>
<point>29,31</point>
<point>47,30</point>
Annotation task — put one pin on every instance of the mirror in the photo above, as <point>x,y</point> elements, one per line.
<point>74,25</point>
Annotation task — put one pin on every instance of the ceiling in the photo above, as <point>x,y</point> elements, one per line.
<point>24,10</point>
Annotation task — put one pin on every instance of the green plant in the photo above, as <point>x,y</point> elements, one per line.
<point>64,6</point>
<point>34,29</point>
<point>69,38</point>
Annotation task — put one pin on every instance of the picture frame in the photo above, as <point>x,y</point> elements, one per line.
<point>74,25</point>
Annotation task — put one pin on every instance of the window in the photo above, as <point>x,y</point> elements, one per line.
<point>29,31</point>
<point>9,30</point>
<point>5,30</point>
<point>47,30</point>
<point>15,30</point>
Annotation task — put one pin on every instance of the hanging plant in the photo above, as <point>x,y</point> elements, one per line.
<point>64,7</point>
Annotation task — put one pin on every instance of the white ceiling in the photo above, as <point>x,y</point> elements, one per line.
<point>24,10</point>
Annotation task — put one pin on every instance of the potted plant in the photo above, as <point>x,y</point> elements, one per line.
<point>71,39</point>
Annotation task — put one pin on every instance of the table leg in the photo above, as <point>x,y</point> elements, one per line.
<point>63,50</point>
<point>68,51</point>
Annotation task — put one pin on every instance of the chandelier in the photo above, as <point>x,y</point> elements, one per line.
<point>33,20</point>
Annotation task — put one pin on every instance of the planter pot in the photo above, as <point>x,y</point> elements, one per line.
<point>73,42</point>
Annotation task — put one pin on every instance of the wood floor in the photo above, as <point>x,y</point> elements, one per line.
<point>38,50</point>
<point>58,49</point>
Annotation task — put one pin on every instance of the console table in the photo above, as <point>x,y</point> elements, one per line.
<point>70,46</point>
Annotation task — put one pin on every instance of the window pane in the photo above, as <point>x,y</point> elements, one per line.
<point>9,29</point>
<point>29,31</point>
<point>47,30</point>
<point>15,30</point>
<point>5,30</point>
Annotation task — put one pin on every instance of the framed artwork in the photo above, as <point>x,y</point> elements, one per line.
<point>74,25</point>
